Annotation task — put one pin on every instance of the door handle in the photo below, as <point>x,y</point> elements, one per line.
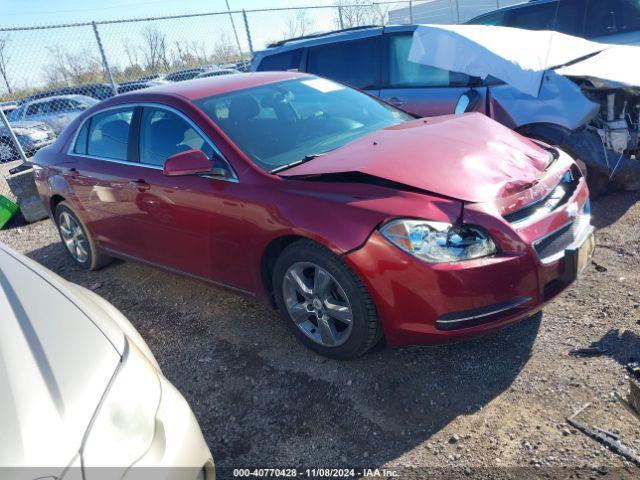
<point>395,101</point>
<point>140,184</point>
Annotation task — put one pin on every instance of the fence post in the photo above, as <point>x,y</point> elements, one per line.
<point>340,17</point>
<point>411,12</point>
<point>3,117</point>
<point>457,11</point>
<point>235,32</point>
<point>248,30</point>
<point>105,64</point>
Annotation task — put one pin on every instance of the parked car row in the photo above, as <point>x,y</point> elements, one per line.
<point>56,108</point>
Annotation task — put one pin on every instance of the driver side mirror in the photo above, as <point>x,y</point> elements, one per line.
<point>191,162</point>
<point>467,102</point>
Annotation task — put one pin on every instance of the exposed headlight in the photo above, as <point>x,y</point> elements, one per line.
<point>124,426</point>
<point>438,242</point>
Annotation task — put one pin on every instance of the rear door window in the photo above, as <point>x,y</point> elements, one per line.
<point>281,61</point>
<point>109,134</point>
<point>356,62</point>
<point>405,74</point>
<point>609,17</point>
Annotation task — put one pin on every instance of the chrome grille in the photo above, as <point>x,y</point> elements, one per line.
<point>557,197</point>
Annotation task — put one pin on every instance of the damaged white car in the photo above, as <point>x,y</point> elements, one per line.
<point>579,95</point>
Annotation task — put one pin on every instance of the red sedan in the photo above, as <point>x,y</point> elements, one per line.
<point>356,220</point>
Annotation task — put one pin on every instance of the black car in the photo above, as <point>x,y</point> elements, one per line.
<point>611,21</point>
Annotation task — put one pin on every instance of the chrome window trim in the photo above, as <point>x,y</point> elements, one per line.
<point>132,106</point>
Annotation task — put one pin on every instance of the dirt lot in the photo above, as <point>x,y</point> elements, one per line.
<point>477,409</point>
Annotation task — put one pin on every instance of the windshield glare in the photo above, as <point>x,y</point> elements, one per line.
<point>282,123</point>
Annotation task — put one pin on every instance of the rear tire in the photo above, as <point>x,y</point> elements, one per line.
<point>77,240</point>
<point>324,302</point>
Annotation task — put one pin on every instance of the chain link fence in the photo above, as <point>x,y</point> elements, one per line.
<point>51,73</point>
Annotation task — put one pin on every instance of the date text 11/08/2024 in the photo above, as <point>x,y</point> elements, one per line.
<point>315,473</point>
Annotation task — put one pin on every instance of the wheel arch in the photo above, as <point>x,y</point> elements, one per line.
<point>54,201</point>
<point>269,256</point>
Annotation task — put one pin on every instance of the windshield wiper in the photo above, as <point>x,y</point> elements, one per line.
<point>304,159</point>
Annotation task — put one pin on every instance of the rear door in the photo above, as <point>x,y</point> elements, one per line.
<point>104,176</point>
<point>420,89</point>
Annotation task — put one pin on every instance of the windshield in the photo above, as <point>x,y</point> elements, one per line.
<point>287,122</point>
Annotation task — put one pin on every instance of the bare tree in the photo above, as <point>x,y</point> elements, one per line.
<point>224,51</point>
<point>299,24</point>
<point>131,51</point>
<point>4,62</point>
<point>379,13</point>
<point>72,68</point>
<point>155,50</point>
<point>350,15</point>
<point>190,53</point>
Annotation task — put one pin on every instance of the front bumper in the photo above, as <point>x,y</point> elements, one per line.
<point>422,303</point>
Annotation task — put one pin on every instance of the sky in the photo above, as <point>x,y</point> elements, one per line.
<point>31,52</point>
<point>13,12</point>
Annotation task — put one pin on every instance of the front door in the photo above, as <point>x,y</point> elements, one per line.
<point>420,89</point>
<point>191,221</point>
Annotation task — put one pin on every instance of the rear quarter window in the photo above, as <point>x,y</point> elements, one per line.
<point>80,146</point>
<point>281,61</point>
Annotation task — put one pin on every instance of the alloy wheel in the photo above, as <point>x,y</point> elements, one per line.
<point>317,304</point>
<point>73,237</point>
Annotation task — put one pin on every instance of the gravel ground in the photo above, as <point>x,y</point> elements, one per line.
<point>492,407</point>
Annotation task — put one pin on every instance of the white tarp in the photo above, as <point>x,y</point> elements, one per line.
<point>618,65</point>
<point>515,56</point>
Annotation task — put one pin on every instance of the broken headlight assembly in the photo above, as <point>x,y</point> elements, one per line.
<point>438,242</point>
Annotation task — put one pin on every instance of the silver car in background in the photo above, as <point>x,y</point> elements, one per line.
<point>81,395</point>
<point>57,111</point>
<point>32,136</point>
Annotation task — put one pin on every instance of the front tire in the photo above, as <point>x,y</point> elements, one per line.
<point>77,239</point>
<point>324,302</point>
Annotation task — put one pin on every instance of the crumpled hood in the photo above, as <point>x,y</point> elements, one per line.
<point>468,157</point>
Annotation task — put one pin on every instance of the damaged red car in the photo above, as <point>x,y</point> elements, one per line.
<point>356,220</point>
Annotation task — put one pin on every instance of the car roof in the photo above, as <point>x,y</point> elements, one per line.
<point>354,33</point>
<point>517,6</point>
<point>209,86</point>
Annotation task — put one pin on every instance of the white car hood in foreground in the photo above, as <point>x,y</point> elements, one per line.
<point>55,365</point>
<point>520,57</point>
